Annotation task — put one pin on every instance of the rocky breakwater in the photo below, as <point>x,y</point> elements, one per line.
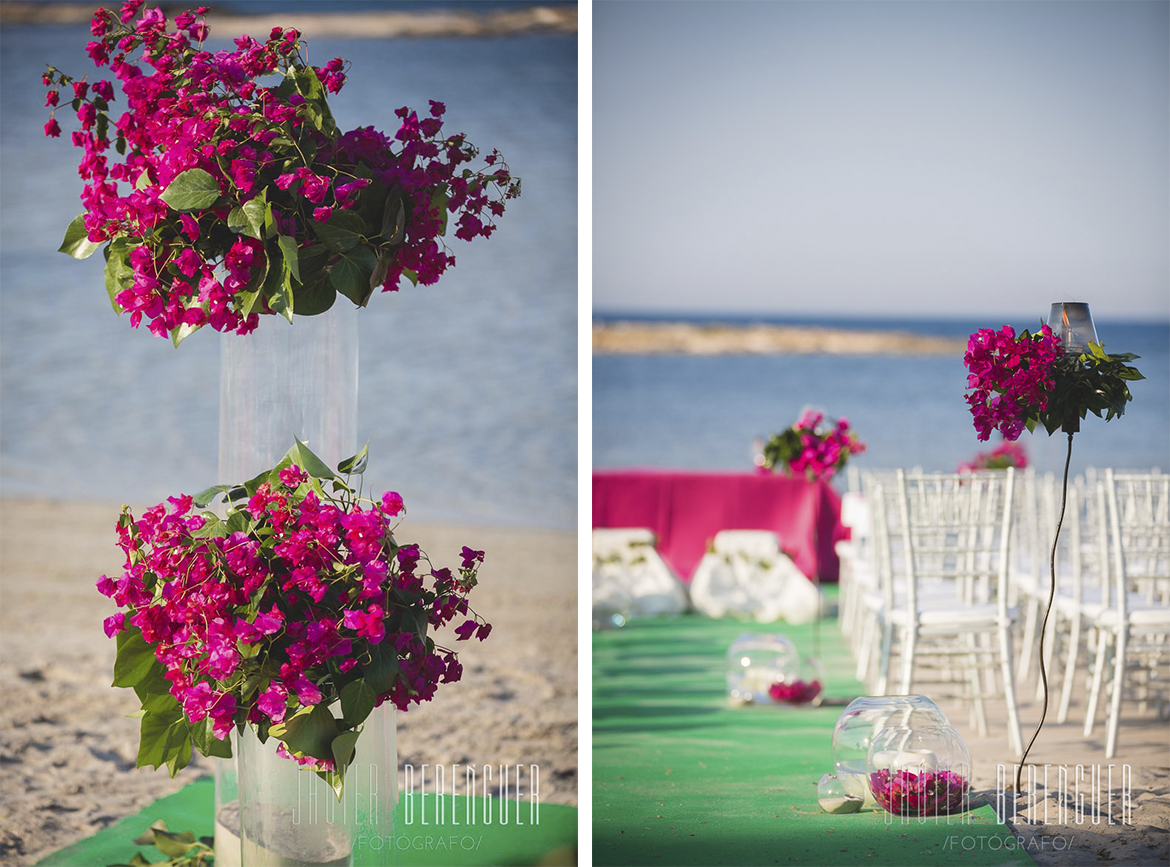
<point>694,338</point>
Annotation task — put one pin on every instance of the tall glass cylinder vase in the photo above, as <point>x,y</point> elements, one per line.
<point>279,382</point>
<point>284,381</point>
<point>290,817</point>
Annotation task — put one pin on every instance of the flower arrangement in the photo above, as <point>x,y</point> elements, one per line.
<point>795,692</point>
<point>296,614</point>
<point>814,446</point>
<point>1004,455</point>
<point>240,195</point>
<point>1019,382</point>
<point>929,793</point>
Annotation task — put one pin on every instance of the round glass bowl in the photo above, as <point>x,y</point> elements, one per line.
<point>833,798</point>
<point>861,721</point>
<point>767,669</point>
<point>921,771</point>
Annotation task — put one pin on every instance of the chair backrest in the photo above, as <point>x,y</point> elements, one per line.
<point>957,528</point>
<point>1138,535</point>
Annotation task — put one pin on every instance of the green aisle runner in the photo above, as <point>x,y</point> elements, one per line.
<point>552,840</point>
<point>682,778</point>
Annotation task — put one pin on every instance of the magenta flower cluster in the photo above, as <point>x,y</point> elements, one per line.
<point>253,624</point>
<point>795,692</point>
<point>235,198</point>
<point>1010,378</point>
<point>812,447</point>
<point>930,793</point>
<point>1004,455</point>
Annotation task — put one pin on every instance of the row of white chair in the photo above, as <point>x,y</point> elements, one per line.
<point>939,567</point>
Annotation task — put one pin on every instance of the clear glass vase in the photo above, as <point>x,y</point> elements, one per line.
<point>861,721</point>
<point>279,383</point>
<point>920,771</point>
<point>284,381</point>
<point>290,817</point>
<point>768,669</point>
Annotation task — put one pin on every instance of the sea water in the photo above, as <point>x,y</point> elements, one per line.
<point>703,412</point>
<point>468,389</point>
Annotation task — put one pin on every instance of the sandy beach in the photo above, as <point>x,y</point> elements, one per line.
<point>68,748</point>
<point>1109,825</point>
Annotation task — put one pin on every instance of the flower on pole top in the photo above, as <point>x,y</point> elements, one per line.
<point>1017,382</point>
<point>235,193</point>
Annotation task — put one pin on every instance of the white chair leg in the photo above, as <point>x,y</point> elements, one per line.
<point>866,647</point>
<point>908,648</point>
<point>1118,688</point>
<point>1098,675</point>
<point>1070,669</point>
<point>884,659</point>
<point>1009,691</point>
<point>975,684</point>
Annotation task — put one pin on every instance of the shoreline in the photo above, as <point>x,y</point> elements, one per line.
<point>68,747</point>
<point>440,23</point>
<point>623,337</point>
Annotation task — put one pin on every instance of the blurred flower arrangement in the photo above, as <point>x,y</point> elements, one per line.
<point>242,197</point>
<point>296,614</point>
<point>814,446</point>
<point>1017,383</point>
<point>1004,455</point>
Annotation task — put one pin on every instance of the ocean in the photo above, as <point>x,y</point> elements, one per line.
<point>703,412</point>
<point>468,389</point>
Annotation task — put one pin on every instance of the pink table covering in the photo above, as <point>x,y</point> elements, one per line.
<point>686,508</point>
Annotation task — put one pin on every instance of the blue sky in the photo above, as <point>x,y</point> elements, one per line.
<point>893,158</point>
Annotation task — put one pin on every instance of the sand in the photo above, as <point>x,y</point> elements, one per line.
<point>1098,832</point>
<point>68,747</point>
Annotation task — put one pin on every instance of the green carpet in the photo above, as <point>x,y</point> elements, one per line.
<point>682,778</point>
<point>552,841</point>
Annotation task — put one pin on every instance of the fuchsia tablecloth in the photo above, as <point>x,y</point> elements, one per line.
<point>686,508</point>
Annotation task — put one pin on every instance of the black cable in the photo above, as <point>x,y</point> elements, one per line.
<point>1047,611</point>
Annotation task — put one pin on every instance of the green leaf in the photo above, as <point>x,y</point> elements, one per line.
<point>315,295</point>
<point>119,273</point>
<point>193,190</point>
<point>357,464</point>
<point>394,217</point>
<point>173,845</point>
<point>204,497</point>
<point>156,732</point>
<point>382,669</point>
<point>310,731</point>
<point>204,740</point>
<point>343,231</point>
<point>134,659</point>
<point>146,838</point>
<point>300,455</point>
<point>143,181</point>
<point>213,528</point>
<point>357,701</point>
<point>351,274</point>
<point>179,754</point>
<point>182,332</point>
<point>288,248</point>
<point>77,243</point>
<point>343,748</point>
